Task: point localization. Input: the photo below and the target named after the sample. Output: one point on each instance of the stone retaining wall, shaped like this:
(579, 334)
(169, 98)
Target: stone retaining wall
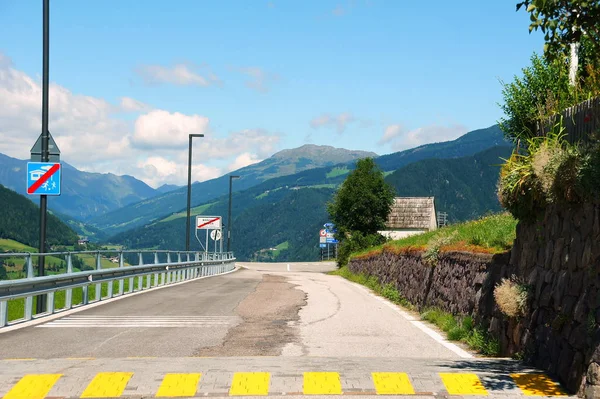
(557, 257)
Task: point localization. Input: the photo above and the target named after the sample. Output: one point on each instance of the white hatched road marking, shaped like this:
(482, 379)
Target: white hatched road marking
(78, 321)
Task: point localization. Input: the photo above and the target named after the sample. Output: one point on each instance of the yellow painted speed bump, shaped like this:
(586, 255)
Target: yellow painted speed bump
(107, 385)
(392, 384)
(33, 386)
(250, 384)
(463, 384)
(322, 383)
(179, 385)
(537, 385)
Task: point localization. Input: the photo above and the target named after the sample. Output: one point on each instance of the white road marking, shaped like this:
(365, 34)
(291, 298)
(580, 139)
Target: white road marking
(288, 267)
(140, 321)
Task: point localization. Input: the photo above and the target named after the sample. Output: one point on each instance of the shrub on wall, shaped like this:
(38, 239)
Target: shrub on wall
(549, 170)
(511, 297)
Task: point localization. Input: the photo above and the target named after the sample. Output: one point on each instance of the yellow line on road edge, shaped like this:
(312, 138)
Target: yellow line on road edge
(392, 384)
(322, 383)
(179, 385)
(250, 384)
(107, 385)
(33, 386)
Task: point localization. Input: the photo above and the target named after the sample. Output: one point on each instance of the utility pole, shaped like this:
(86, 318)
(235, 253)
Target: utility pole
(41, 300)
(229, 214)
(189, 192)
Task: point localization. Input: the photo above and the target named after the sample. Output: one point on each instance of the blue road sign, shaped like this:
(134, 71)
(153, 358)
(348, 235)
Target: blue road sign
(332, 241)
(43, 178)
(323, 245)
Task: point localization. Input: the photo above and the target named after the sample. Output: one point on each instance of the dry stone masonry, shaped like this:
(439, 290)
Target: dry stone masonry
(556, 257)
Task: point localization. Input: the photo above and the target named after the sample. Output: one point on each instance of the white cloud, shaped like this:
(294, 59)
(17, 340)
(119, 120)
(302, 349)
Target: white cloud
(157, 170)
(260, 80)
(163, 129)
(179, 74)
(129, 104)
(243, 160)
(340, 121)
(391, 132)
(93, 135)
(401, 139)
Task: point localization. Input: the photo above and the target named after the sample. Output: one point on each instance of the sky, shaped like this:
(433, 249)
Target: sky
(130, 80)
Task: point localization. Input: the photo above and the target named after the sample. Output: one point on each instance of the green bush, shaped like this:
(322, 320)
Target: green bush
(357, 242)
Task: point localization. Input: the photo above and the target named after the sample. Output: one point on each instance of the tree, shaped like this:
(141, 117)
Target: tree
(364, 200)
(542, 91)
(567, 26)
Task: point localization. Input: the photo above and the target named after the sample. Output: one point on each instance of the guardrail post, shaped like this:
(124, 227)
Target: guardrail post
(121, 281)
(156, 262)
(164, 275)
(98, 286)
(176, 274)
(29, 300)
(3, 313)
(140, 278)
(69, 291)
(197, 267)
(50, 303)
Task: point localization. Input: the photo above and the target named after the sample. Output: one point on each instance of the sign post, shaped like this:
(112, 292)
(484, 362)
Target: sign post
(213, 225)
(327, 239)
(44, 143)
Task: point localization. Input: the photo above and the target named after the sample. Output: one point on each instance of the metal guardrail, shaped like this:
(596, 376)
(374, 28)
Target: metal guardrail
(71, 289)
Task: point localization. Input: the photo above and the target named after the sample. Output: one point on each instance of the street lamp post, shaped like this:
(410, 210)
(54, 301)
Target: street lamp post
(231, 177)
(189, 192)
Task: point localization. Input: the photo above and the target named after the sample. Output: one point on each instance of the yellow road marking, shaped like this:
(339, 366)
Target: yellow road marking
(177, 385)
(463, 384)
(537, 385)
(250, 384)
(33, 386)
(106, 385)
(322, 383)
(392, 384)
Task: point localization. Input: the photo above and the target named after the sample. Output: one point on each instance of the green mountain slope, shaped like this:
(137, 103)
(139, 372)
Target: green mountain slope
(19, 221)
(84, 195)
(281, 164)
(286, 216)
(288, 211)
(465, 187)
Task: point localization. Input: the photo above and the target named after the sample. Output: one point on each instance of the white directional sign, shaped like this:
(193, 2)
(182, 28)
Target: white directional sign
(215, 235)
(208, 222)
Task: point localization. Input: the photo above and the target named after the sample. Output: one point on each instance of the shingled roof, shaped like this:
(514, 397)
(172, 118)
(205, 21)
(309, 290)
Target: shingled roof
(412, 213)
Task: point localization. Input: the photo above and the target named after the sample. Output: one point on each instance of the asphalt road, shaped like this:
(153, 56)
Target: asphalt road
(262, 327)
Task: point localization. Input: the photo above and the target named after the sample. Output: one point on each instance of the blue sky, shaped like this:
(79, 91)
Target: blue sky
(132, 78)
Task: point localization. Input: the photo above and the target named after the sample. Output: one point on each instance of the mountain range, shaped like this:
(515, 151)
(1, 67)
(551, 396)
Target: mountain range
(284, 163)
(278, 204)
(84, 194)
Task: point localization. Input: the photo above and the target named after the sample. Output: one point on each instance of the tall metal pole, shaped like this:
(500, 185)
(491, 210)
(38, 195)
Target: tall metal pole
(229, 217)
(41, 300)
(229, 214)
(189, 192)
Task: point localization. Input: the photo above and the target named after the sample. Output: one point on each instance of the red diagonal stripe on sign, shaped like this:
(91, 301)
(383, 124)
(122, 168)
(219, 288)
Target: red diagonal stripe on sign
(209, 222)
(43, 178)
